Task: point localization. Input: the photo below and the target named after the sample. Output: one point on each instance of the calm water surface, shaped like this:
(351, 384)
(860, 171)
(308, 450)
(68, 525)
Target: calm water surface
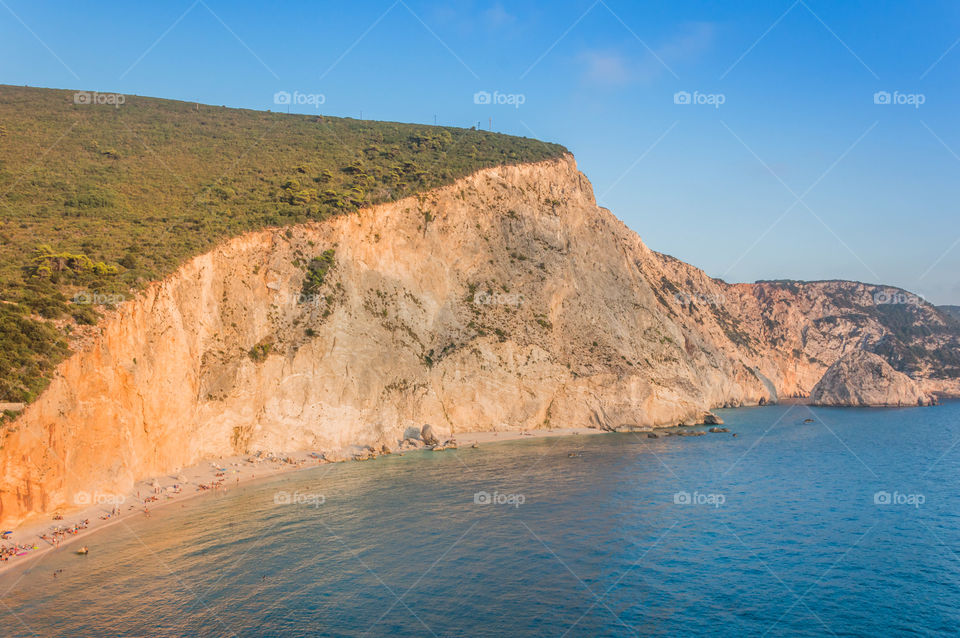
(774, 532)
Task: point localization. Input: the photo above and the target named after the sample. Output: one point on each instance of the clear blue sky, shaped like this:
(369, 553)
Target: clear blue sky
(718, 187)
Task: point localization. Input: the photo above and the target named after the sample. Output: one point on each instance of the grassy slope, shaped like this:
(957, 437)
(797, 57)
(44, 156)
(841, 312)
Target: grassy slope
(140, 188)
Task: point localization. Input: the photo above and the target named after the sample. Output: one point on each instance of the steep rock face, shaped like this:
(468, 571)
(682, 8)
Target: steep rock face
(506, 300)
(862, 378)
(821, 321)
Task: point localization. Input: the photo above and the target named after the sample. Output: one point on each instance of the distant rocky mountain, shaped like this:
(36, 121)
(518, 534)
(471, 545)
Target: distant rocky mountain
(952, 311)
(824, 320)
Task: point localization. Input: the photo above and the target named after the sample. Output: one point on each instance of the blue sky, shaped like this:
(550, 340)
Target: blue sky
(797, 174)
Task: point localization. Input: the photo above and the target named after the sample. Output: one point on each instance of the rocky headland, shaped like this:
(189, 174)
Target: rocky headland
(507, 300)
(862, 378)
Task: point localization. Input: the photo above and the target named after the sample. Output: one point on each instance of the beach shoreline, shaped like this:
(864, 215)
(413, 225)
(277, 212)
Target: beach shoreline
(231, 472)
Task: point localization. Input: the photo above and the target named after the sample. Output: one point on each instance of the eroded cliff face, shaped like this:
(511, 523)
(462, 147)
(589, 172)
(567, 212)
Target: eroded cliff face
(506, 300)
(862, 378)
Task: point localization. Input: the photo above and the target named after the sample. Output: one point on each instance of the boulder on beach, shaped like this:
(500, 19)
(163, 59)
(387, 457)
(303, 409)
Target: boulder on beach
(411, 443)
(428, 436)
(862, 378)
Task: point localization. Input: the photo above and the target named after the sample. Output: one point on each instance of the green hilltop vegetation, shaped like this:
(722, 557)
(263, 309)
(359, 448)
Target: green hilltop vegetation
(97, 200)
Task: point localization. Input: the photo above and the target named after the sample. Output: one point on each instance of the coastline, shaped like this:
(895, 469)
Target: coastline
(239, 471)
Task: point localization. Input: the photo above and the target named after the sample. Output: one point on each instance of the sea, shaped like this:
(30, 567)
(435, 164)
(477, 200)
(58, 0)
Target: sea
(809, 522)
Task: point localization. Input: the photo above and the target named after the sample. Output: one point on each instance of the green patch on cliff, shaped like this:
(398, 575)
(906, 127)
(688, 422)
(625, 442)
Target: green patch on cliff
(260, 351)
(29, 350)
(98, 200)
(317, 270)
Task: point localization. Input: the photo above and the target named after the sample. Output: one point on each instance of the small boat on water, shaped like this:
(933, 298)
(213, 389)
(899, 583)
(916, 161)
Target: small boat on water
(83, 551)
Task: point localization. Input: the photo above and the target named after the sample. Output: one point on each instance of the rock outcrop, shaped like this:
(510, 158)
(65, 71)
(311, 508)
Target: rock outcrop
(427, 435)
(507, 300)
(862, 378)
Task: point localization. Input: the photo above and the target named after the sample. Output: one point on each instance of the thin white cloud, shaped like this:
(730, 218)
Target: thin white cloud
(687, 46)
(614, 67)
(496, 17)
(606, 68)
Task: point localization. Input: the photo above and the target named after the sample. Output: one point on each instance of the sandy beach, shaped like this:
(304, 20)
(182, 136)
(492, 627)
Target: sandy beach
(35, 535)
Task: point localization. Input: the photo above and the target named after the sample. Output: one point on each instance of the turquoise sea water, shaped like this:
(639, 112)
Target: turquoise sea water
(784, 530)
